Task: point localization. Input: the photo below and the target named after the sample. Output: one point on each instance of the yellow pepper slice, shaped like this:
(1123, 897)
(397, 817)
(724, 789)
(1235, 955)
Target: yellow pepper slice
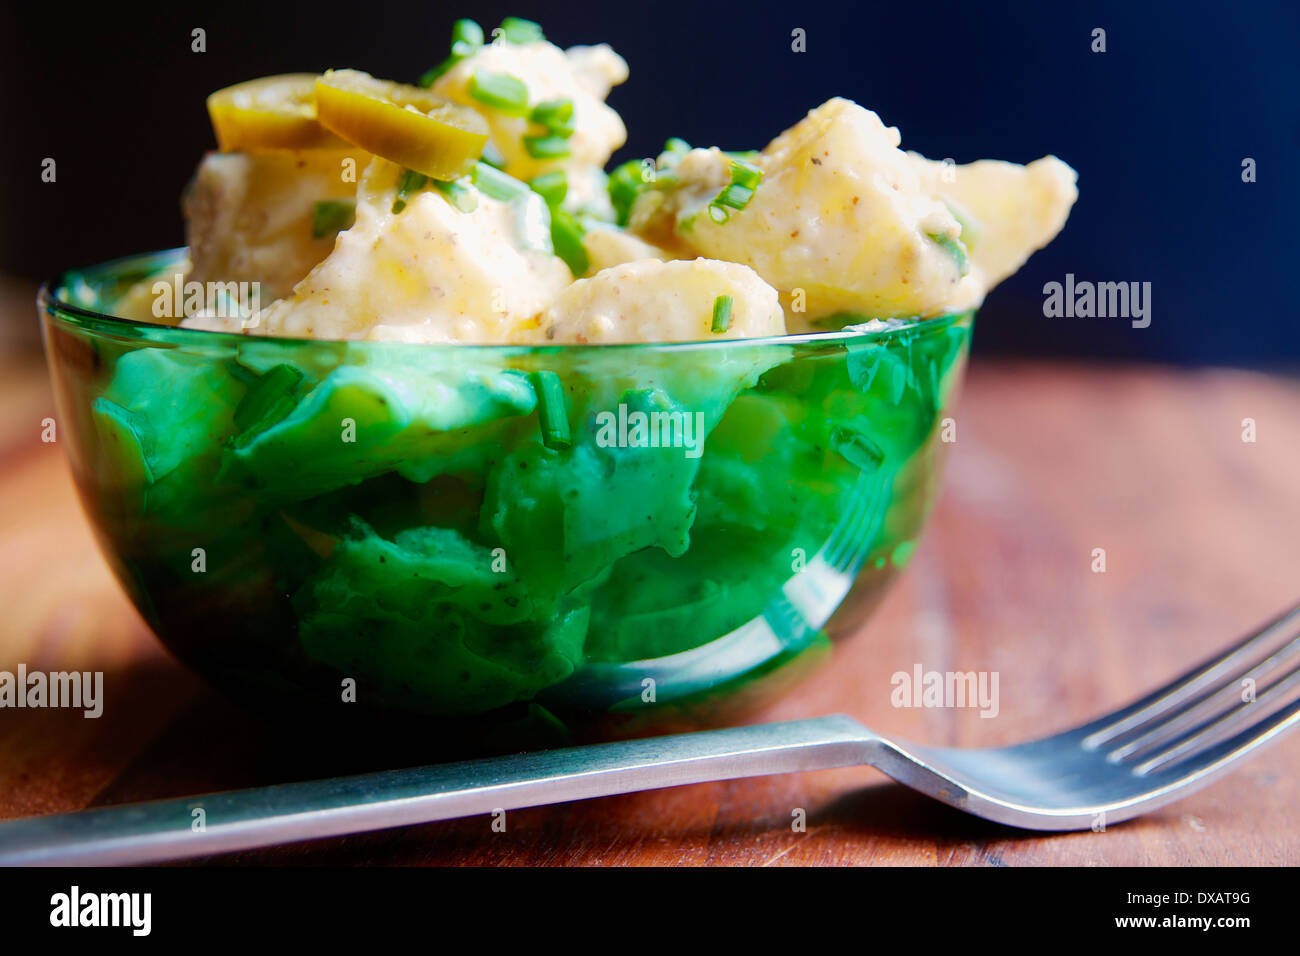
(274, 112)
(409, 125)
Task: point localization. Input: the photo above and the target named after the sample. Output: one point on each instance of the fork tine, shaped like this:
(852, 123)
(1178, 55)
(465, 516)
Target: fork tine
(873, 518)
(1175, 724)
(835, 543)
(1180, 689)
(845, 531)
(1213, 729)
(853, 533)
(1228, 751)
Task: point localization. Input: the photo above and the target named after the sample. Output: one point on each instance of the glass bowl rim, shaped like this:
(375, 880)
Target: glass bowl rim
(52, 304)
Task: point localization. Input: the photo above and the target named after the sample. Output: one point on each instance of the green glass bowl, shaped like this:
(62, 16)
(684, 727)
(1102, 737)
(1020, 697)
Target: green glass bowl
(568, 542)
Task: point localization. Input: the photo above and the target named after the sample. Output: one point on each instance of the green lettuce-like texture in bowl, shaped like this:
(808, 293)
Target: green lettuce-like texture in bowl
(589, 540)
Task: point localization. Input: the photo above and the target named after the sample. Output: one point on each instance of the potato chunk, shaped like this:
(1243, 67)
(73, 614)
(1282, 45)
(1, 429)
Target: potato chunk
(653, 301)
(249, 215)
(610, 246)
(841, 214)
(430, 273)
(1010, 211)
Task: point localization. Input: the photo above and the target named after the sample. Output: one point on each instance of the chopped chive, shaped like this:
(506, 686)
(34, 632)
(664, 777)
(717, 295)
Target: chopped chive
(410, 183)
(547, 147)
(745, 178)
(457, 193)
(954, 247)
(566, 239)
(492, 182)
(677, 145)
(555, 115)
(466, 40)
(721, 313)
(552, 186)
(552, 411)
(735, 196)
(330, 216)
(467, 35)
(519, 30)
(970, 233)
(746, 174)
(625, 184)
(500, 91)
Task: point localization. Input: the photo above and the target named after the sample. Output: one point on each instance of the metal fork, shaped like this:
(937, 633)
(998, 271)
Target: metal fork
(1135, 759)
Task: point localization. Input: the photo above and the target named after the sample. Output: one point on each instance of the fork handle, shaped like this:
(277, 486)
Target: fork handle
(244, 819)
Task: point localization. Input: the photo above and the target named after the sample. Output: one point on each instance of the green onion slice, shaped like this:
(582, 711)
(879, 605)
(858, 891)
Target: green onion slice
(458, 194)
(735, 196)
(625, 184)
(970, 233)
(721, 313)
(552, 186)
(954, 247)
(410, 184)
(552, 410)
(555, 115)
(466, 37)
(492, 182)
(547, 147)
(519, 30)
(466, 40)
(746, 174)
(745, 177)
(566, 239)
(330, 216)
(501, 91)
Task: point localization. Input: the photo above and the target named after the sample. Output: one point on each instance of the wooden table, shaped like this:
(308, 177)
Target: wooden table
(1051, 462)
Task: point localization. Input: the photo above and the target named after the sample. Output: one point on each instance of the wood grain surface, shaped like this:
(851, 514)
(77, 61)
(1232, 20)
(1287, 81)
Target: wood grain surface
(1051, 461)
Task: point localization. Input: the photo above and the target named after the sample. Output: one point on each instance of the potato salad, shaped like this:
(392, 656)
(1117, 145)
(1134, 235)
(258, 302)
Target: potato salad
(475, 207)
(514, 441)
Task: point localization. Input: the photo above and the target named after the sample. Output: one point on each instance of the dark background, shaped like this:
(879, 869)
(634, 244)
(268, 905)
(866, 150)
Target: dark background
(1157, 127)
